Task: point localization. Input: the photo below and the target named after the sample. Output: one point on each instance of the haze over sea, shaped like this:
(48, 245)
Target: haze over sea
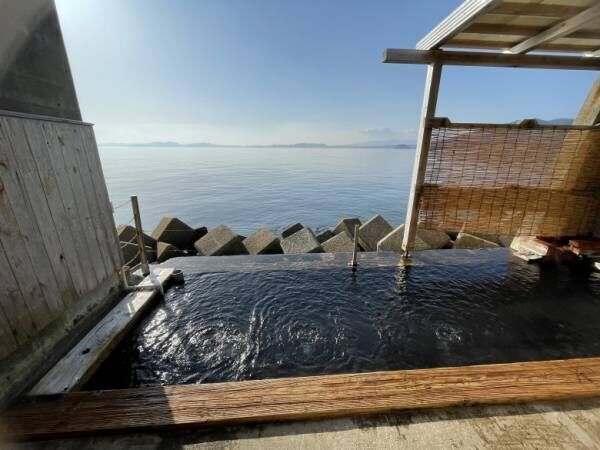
(248, 188)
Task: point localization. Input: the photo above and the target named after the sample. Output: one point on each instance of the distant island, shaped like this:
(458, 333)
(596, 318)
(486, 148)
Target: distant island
(297, 145)
(375, 144)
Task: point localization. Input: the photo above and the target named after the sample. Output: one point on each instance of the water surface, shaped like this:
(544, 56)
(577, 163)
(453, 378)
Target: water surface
(254, 325)
(249, 188)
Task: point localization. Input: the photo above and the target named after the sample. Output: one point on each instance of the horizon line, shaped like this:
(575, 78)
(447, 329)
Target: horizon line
(295, 145)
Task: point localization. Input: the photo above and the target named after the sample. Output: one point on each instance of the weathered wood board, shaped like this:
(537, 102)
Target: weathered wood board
(79, 364)
(313, 397)
(58, 242)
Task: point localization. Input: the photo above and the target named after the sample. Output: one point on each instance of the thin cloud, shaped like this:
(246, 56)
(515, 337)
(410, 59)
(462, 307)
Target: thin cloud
(378, 133)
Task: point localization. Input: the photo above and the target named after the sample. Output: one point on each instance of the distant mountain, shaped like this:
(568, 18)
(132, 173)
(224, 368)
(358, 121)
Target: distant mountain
(560, 121)
(297, 145)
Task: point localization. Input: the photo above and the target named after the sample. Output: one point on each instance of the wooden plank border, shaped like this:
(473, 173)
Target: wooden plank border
(22, 115)
(302, 398)
(77, 366)
(532, 124)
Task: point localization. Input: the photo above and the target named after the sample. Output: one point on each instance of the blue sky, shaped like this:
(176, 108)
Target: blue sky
(273, 71)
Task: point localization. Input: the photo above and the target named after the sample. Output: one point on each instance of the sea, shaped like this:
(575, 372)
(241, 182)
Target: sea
(249, 188)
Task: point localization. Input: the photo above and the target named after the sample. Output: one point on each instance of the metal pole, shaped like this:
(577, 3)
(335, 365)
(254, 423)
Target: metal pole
(139, 232)
(354, 262)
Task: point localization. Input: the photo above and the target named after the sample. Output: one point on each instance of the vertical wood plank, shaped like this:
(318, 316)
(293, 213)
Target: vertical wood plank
(55, 279)
(432, 86)
(83, 211)
(72, 278)
(76, 225)
(22, 244)
(100, 210)
(19, 322)
(101, 191)
(75, 145)
(8, 343)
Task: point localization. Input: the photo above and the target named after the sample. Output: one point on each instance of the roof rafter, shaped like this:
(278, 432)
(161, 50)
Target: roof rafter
(561, 29)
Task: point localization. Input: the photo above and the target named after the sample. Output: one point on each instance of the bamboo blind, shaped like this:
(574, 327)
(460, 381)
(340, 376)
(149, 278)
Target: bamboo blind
(510, 179)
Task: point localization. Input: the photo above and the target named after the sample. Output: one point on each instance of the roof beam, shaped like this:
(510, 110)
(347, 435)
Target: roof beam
(457, 21)
(537, 10)
(589, 114)
(521, 30)
(561, 29)
(489, 59)
(472, 43)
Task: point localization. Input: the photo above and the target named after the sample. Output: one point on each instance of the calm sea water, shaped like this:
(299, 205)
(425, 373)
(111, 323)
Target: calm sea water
(249, 188)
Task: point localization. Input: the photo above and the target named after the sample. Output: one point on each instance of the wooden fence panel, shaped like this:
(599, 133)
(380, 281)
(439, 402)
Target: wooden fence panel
(58, 241)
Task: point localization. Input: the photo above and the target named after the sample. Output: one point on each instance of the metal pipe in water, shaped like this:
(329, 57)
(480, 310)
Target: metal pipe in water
(354, 262)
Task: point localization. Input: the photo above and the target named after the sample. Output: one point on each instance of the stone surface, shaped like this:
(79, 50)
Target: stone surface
(302, 241)
(175, 232)
(131, 256)
(465, 240)
(347, 225)
(127, 233)
(220, 241)
(340, 242)
(504, 240)
(164, 251)
(35, 76)
(291, 229)
(434, 239)
(325, 236)
(372, 232)
(201, 232)
(529, 244)
(392, 241)
(262, 242)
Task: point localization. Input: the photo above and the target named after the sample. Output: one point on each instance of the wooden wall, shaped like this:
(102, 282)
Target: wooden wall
(57, 235)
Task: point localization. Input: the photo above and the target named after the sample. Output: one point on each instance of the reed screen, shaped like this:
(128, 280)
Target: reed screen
(510, 179)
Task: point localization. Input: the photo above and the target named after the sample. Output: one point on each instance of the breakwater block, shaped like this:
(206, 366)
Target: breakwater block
(131, 255)
(127, 233)
(325, 236)
(201, 232)
(164, 251)
(372, 232)
(392, 242)
(220, 241)
(424, 240)
(435, 239)
(504, 240)
(465, 240)
(340, 242)
(175, 232)
(291, 229)
(347, 225)
(302, 241)
(262, 242)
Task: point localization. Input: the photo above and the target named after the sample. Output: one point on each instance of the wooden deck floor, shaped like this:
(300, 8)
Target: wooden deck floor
(155, 408)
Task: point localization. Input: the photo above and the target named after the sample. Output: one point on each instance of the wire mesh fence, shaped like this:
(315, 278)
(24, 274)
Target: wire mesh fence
(511, 179)
(129, 247)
